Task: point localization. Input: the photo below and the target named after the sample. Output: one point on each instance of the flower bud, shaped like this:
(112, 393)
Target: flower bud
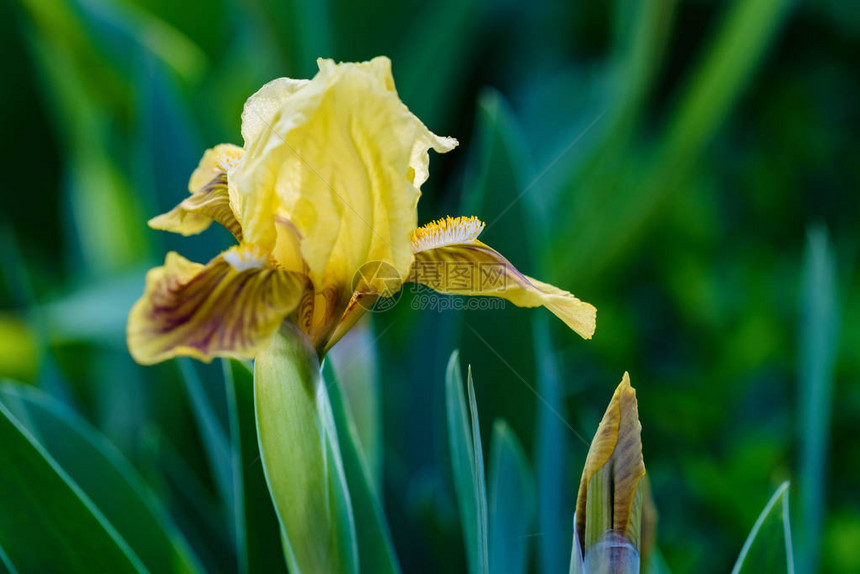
(608, 519)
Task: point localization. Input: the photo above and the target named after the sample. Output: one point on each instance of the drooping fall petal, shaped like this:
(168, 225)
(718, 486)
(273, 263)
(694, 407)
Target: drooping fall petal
(450, 259)
(210, 198)
(609, 496)
(342, 158)
(194, 214)
(228, 308)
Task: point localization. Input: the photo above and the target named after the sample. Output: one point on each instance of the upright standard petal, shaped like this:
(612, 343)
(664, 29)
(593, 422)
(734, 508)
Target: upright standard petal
(342, 158)
(228, 308)
(450, 259)
(262, 108)
(210, 197)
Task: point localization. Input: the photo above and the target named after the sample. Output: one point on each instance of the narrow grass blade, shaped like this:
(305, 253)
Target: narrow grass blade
(462, 458)
(48, 524)
(641, 38)
(213, 430)
(106, 477)
(768, 546)
(258, 532)
(6, 566)
(479, 480)
(198, 512)
(375, 549)
(818, 346)
(301, 29)
(511, 503)
(438, 41)
(728, 63)
(467, 463)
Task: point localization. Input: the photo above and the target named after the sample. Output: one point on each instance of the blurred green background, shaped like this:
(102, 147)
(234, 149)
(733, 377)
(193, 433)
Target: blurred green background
(689, 167)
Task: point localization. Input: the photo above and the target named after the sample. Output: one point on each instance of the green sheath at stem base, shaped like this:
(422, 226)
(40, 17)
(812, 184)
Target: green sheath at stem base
(301, 460)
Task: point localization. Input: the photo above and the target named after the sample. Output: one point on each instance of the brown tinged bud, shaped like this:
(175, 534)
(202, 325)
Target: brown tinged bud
(608, 519)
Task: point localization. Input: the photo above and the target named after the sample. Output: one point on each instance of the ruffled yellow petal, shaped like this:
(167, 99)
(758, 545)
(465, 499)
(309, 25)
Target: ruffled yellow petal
(261, 108)
(194, 214)
(227, 308)
(613, 470)
(211, 199)
(215, 161)
(341, 158)
(450, 259)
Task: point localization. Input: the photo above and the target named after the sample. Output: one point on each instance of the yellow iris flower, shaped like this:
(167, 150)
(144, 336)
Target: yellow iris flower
(325, 188)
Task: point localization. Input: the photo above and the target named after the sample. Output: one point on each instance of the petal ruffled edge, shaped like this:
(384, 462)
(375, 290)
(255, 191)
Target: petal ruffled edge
(215, 161)
(212, 310)
(263, 106)
(291, 128)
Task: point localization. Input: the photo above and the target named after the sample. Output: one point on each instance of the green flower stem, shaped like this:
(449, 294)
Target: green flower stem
(301, 458)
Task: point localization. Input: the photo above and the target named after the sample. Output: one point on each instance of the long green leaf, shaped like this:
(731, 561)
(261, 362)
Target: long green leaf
(555, 502)
(511, 503)
(96, 311)
(643, 29)
(768, 546)
(497, 192)
(258, 532)
(818, 345)
(355, 360)
(616, 217)
(48, 524)
(120, 31)
(376, 551)
(102, 207)
(106, 477)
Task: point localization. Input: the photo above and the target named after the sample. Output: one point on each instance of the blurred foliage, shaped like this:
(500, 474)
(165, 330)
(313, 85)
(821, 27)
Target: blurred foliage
(662, 160)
